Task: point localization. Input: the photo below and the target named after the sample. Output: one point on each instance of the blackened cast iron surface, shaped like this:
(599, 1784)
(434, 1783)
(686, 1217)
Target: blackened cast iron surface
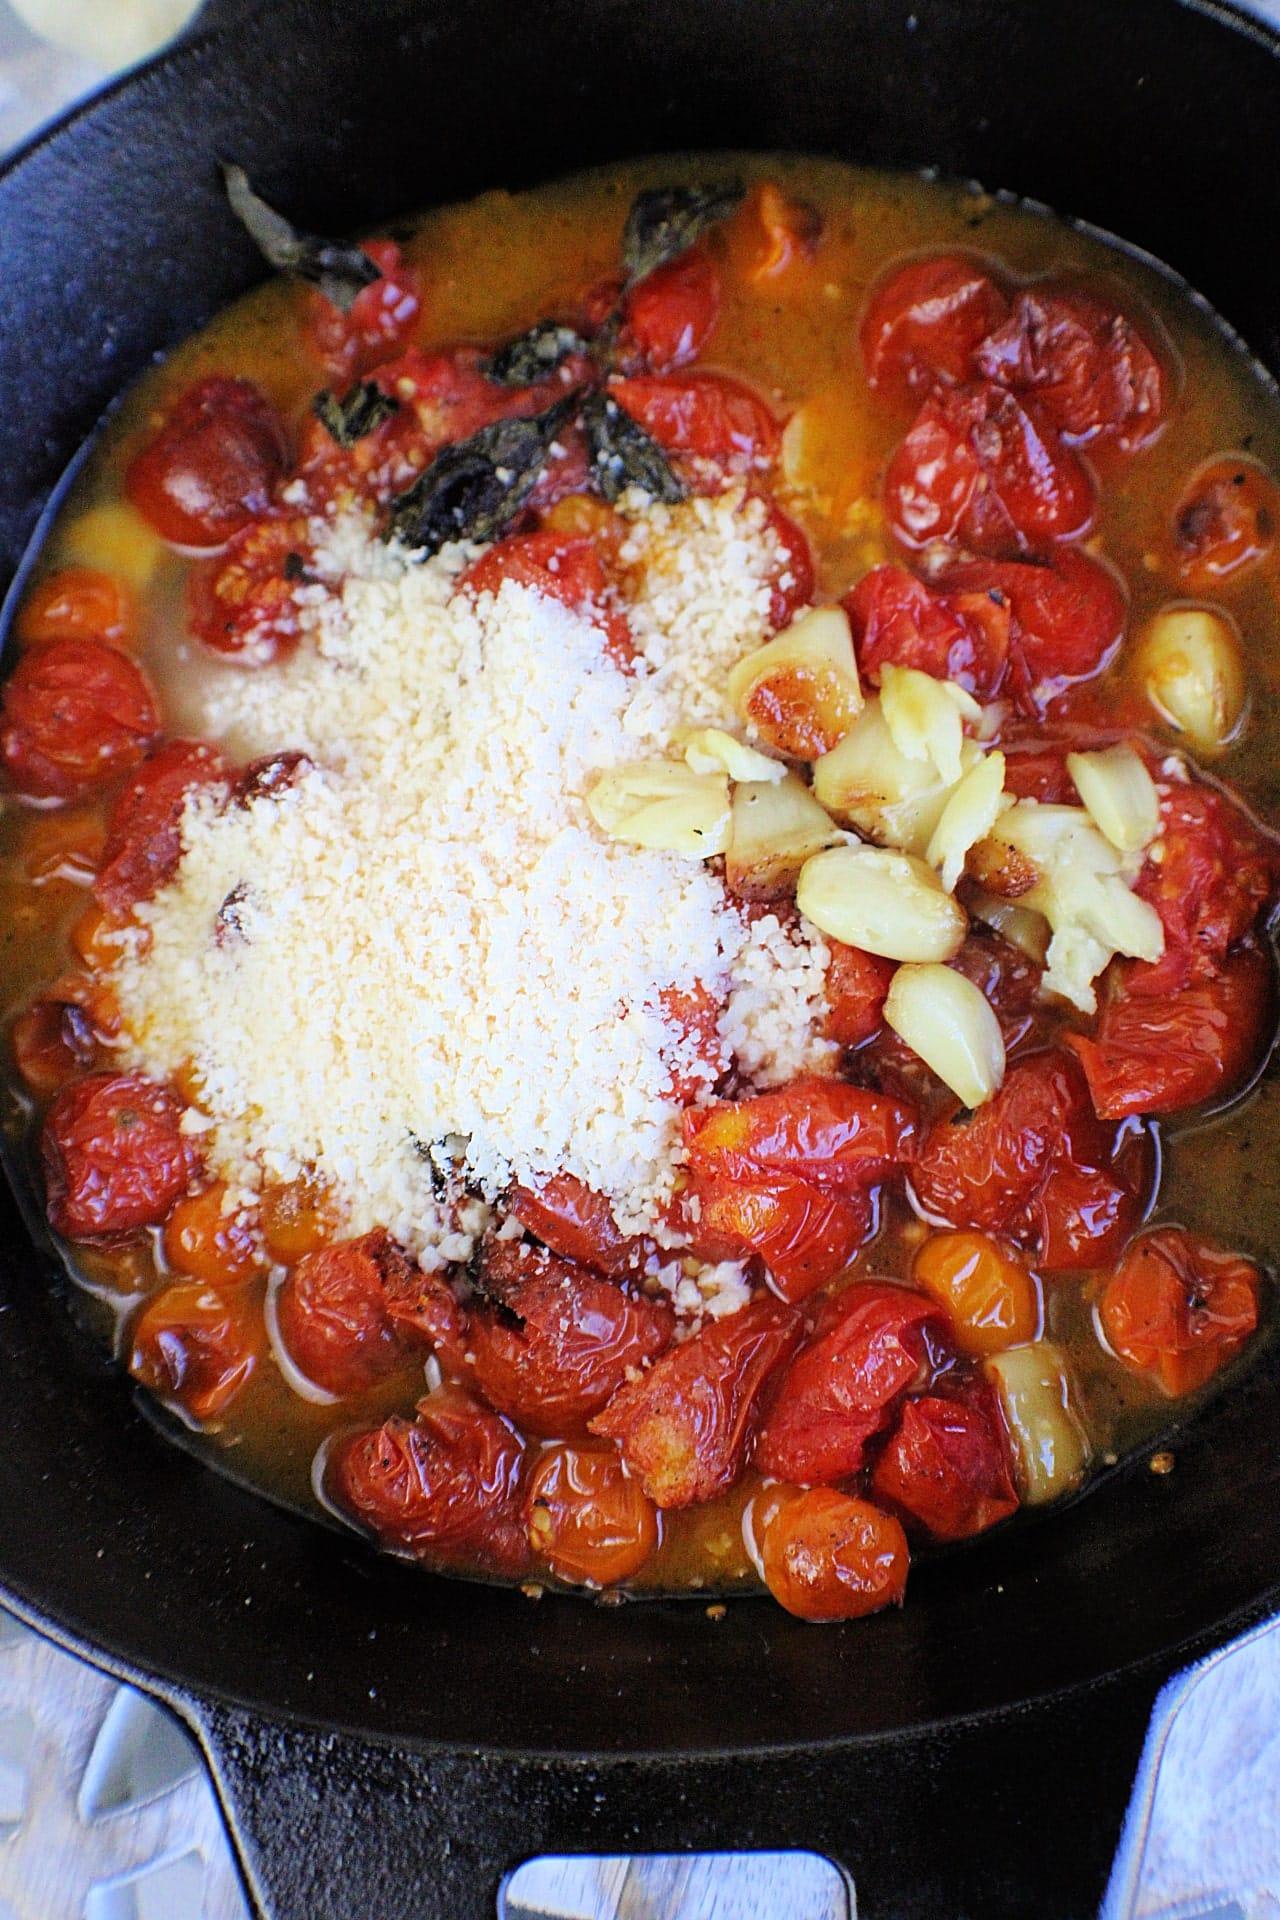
(1157, 120)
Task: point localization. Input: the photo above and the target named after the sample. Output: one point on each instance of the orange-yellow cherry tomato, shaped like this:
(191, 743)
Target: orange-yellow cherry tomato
(990, 1297)
(587, 1519)
(827, 1556)
(203, 1241)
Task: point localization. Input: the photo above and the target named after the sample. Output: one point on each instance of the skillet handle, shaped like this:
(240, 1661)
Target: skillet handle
(994, 1819)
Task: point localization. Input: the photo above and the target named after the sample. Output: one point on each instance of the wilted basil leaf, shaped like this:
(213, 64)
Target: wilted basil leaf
(534, 355)
(623, 455)
(356, 414)
(474, 490)
(338, 268)
(665, 221)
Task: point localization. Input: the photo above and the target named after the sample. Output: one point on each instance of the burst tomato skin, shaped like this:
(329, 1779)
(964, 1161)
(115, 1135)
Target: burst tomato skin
(868, 1348)
(578, 1224)
(379, 321)
(1067, 618)
(79, 603)
(1216, 877)
(210, 1245)
(792, 585)
(551, 1343)
(898, 620)
(212, 465)
(197, 1346)
(857, 986)
(982, 469)
(946, 1466)
(114, 1156)
(144, 843)
(803, 1235)
(825, 1131)
(925, 320)
(1157, 1054)
(1178, 1309)
(685, 1427)
(715, 422)
(668, 316)
(53, 1041)
(1008, 980)
(827, 1556)
(563, 567)
(1090, 370)
(587, 1519)
(333, 1315)
(444, 1486)
(1225, 522)
(244, 603)
(76, 713)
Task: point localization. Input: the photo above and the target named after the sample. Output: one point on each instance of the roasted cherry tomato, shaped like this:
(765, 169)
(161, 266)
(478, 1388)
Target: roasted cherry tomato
(792, 584)
(564, 567)
(718, 424)
(668, 316)
(1008, 980)
(54, 1040)
(984, 470)
(62, 844)
(869, 1347)
(685, 1426)
(946, 1466)
(1089, 369)
(208, 1241)
(898, 620)
(1178, 1309)
(79, 603)
(445, 1486)
(245, 602)
(827, 1556)
(332, 1312)
(115, 1156)
(1067, 618)
(195, 1346)
(990, 1298)
(1158, 1053)
(378, 322)
(587, 1518)
(857, 985)
(551, 1342)
(212, 465)
(295, 1218)
(803, 1234)
(824, 1131)
(925, 320)
(1036, 1164)
(1224, 522)
(696, 1054)
(578, 1224)
(144, 841)
(76, 714)
(1215, 876)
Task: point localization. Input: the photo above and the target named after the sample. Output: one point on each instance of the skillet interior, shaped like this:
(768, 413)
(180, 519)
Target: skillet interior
(1156, 120)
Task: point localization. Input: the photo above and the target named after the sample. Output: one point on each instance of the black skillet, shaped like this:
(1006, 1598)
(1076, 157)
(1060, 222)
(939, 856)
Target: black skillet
(387, 1744)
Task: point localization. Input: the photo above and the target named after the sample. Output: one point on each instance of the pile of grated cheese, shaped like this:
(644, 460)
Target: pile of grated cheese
(428, 939)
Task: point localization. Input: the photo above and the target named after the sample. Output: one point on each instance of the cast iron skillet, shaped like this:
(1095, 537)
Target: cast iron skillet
(386, 1743)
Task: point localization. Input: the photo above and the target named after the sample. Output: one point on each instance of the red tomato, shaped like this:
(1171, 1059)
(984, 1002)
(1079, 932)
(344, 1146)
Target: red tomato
(827, 1556)
(696, 1054)
(857, 985)
(685, 1426)
(551, 1342)
(1036, 1164)
(143, 844)
(1178, 1309)
(578, 1224)
(1155, 1054)
(587, 1519)
(719, 424)
(870, 1346)
(378, 321)
(78, 603)
(823, 1131)
(983, 470)
(1089, 368)
(668, 316)
(803, 1234)
(446, 396)
(212, 466)
(1224, 522)
(245, 602)
(115, 1158)
(54, 1040)
(1217, 874)
(898, 620)
(76, 714)
(195, 1346)
(925, 320)
(1067, 619)
(792, 584)
(560, 566)
(947, 1466)
(333, 1316)
(445, 1486)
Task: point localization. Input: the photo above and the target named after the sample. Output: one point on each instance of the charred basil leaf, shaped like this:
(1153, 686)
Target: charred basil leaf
(356, 414)
(338, 268)
(664, 222)
(474, 490)
(623, 455)
(534, 355)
